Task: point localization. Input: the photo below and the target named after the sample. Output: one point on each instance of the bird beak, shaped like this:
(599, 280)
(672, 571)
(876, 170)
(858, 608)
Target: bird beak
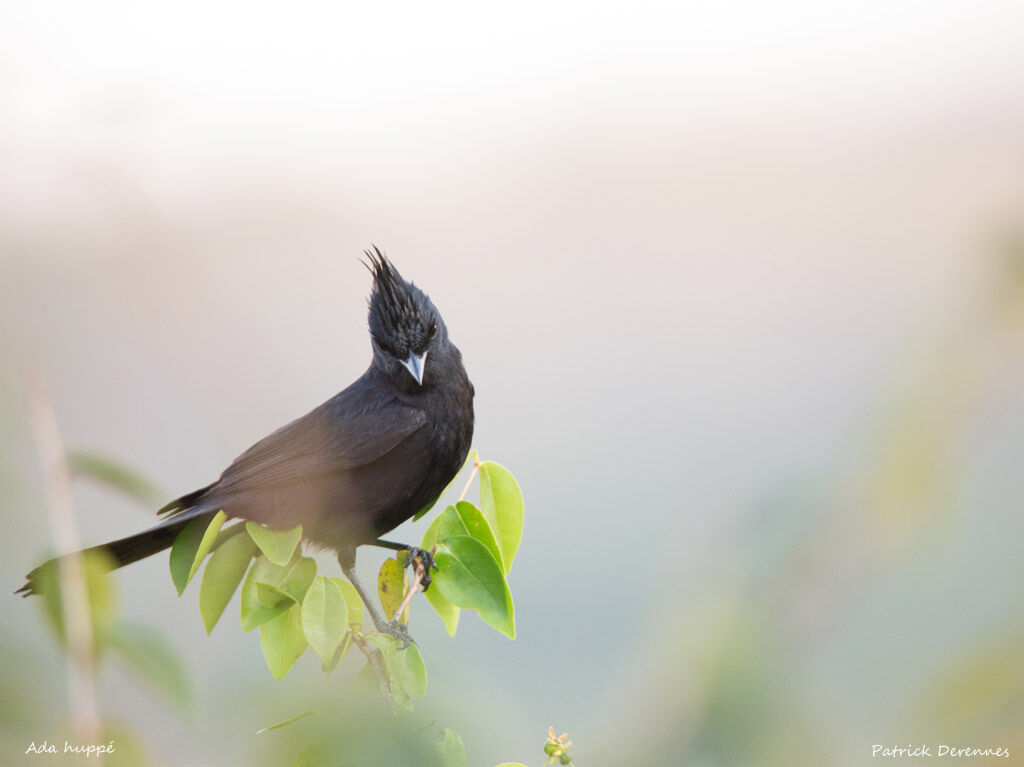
(415, 365)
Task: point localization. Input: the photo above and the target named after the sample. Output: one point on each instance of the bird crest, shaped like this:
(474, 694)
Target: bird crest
(400, 313)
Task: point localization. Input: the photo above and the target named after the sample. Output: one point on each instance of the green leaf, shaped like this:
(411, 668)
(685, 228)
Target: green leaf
(191, 546)
(453, 752)
(366, 680)
(255, 614)
(324, 617)
(430, 534)
(292, 579)
(277, 545)
(154, 660)
(329, 666)
(409, 666)
(406, 670)
(501, 501)
(114, 473)
(448, 612)
(313, 755)
(469, 577)
(391, 586)
(224, 571)
(100, 593)
(466, 519)
(286, 722)
(353, 600)
(226, 533)
(425, 510)
(283, 641)
(272, 596)
(355, 620)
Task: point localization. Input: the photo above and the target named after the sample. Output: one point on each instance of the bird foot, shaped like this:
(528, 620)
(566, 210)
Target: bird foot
(395, 628)
(426, 558)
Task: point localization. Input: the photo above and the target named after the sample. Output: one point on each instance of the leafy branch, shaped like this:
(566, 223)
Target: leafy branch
(296, 608)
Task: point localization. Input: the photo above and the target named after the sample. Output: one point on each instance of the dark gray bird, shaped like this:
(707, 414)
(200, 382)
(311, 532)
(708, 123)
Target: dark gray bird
(361, 463)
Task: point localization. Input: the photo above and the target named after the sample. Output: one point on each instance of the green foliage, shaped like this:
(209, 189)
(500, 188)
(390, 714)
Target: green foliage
(276, 545)
(448, 612)
(295, 608)
(283, 640)
(287, 722)
(191, 547)
(139, 648)
(271, 589)
(324, 617)
(114, 474)
(153, 659)
(224, 572)
(469, 577)
(462, 519)
(355, 604)
(497, 525)
(453, 751)
(99, 592)
(313, 755)
(406, 672)
(501, 501)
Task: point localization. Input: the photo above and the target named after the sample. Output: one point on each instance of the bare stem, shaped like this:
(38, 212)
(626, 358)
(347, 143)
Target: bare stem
(75, 602)
(476, 468)
(421, 572)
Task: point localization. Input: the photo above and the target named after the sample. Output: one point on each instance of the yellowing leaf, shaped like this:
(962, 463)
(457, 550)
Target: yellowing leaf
(391, 586)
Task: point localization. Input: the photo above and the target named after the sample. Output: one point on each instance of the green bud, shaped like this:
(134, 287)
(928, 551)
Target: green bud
(549, 748)
(565, 758)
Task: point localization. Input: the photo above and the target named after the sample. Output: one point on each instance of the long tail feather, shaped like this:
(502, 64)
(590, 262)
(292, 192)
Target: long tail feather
(133, 548)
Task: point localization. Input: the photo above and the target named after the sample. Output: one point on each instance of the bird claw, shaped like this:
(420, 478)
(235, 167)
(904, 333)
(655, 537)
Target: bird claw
(398, 630)
(424, 556)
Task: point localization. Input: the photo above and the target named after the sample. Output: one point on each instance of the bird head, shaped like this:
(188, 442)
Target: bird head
(405, 326)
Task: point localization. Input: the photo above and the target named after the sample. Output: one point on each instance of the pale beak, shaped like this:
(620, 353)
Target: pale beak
(415, 365)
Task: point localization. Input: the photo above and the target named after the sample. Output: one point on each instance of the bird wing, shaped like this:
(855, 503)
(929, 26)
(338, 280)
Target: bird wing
(346, 432)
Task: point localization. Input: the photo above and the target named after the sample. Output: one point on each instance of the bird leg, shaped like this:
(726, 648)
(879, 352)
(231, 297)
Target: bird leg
(415, 552)
(394, 628)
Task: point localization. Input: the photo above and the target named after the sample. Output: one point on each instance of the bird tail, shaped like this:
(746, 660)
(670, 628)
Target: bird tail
(133, 548)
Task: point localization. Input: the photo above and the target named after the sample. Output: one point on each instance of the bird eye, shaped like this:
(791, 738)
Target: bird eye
(433, 330)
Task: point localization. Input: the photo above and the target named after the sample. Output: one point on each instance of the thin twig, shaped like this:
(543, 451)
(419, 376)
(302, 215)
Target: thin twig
(476, 468)
(376, 661)
(75, 596)
(421, 572)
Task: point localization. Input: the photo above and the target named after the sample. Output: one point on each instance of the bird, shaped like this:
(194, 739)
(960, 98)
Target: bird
(356, 466)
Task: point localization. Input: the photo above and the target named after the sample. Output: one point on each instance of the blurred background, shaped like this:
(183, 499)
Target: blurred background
(740, 286)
